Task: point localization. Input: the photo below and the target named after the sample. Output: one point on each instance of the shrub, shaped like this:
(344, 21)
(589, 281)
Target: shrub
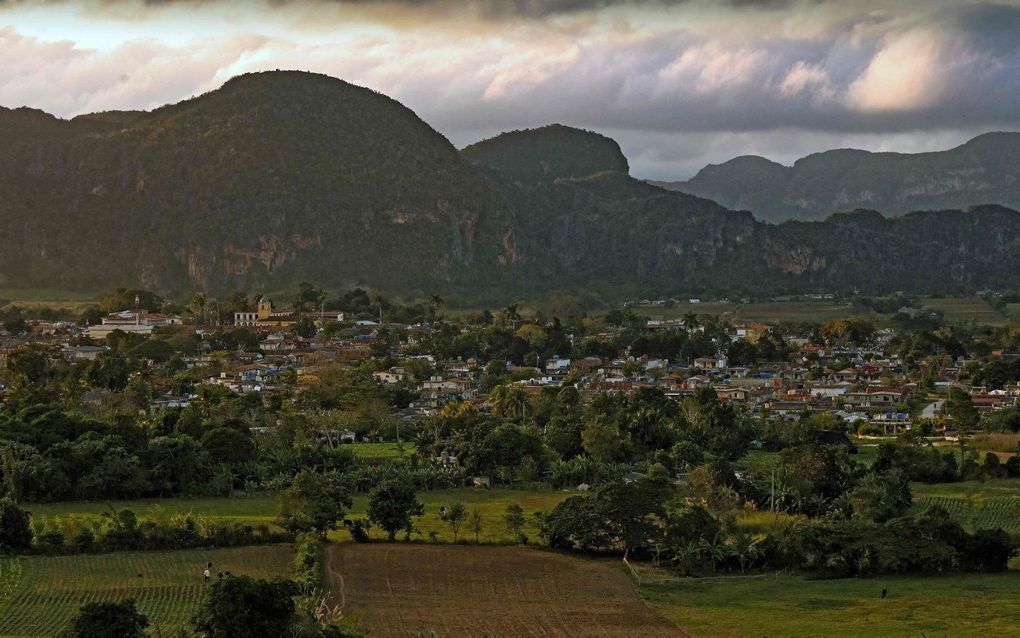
(15, 528)
(308, 562)
(108, 620)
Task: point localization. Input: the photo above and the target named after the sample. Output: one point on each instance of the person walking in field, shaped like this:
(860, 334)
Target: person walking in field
(206, 574)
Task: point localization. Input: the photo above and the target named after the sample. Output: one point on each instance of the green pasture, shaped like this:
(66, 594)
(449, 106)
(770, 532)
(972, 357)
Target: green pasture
(491, 503)
(788, 606)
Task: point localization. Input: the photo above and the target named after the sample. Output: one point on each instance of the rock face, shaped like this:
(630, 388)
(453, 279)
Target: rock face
(985, 170)
(278, 178)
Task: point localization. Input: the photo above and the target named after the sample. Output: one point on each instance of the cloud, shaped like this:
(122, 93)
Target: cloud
(663, 77)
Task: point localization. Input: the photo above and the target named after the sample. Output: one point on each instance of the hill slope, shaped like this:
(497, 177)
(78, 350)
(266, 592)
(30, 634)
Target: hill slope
(283, 177)
(985, 170)
(273, 176)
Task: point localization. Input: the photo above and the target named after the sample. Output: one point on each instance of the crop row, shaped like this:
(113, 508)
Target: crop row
(46, 592)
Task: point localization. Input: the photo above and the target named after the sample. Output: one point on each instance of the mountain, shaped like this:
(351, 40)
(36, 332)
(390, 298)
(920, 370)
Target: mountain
(985, 170)
(282, 177)
(274, 176)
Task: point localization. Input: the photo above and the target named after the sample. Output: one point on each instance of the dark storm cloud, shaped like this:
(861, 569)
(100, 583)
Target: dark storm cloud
(677, 82)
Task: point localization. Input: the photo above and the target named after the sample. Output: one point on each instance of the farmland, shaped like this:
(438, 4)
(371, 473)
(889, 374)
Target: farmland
(961, 605)
(39, 595)
(490, 502)
(974, 504)
(459, 590)
(774, 311)
(955, 309)
(966, 309)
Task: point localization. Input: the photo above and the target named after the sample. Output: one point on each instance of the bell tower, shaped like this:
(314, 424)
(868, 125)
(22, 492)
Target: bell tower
(265, 308)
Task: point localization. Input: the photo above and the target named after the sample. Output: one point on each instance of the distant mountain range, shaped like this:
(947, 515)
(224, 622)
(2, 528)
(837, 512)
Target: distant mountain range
(985, 170)
(282, 177)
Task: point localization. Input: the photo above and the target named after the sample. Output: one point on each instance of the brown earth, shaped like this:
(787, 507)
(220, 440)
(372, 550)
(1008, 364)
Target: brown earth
(459, 590)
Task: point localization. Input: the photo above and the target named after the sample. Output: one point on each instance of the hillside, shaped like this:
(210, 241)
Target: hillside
(985, 170)
(282, 177)
(274, 176)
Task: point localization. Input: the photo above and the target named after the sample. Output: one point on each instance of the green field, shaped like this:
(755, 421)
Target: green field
(956, 309)
(974, 504)
(379, 451)
(492, 504)
(39, 595)
(957, 606)
(819, 311)
(964, 309)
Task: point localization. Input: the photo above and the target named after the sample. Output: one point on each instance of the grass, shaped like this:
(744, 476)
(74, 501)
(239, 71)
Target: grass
(379, 451)
(262, 509)
(491, 503)
(791, 606)
(1002, 442)
(956, 309)
(771, 311)
(964, 309)
(40, 595)
(256, 509)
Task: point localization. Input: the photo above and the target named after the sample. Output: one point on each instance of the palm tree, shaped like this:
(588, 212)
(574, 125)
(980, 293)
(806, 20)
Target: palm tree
(510, 401)
(434, 302)
(511, 315)
(690, 321)
(197, 304)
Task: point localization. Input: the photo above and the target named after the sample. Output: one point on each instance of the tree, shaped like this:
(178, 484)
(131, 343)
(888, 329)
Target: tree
(15, 528)
(312, 503)
(604, 441)
(454, 516)
(882, 496)
(108, 620)
(392, 505)
(514, 519)
(510, 401)
(435, 301)
(228, 445)
(109, 370)
(242, 606)
(475, 522)
(197, 306)
(961, 410)
(305, 327)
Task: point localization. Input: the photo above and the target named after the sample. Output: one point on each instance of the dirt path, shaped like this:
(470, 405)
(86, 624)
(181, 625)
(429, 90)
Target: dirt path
(462, 590)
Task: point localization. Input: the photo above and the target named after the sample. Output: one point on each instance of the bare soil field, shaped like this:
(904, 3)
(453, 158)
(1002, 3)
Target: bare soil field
(462, 590)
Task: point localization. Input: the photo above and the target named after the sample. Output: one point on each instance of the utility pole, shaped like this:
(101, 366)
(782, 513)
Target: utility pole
(772, 498)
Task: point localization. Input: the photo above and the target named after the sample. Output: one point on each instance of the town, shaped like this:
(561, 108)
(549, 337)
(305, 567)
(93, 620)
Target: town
(874, 381)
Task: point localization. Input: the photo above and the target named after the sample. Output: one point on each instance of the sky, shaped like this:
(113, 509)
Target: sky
(678, 83)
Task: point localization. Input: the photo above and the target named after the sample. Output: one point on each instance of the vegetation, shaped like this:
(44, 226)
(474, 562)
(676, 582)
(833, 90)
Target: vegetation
(41, 595)
(792, 605)
(361, 153)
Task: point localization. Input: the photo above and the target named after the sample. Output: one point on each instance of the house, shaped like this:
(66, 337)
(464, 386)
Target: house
(557, 366)
(85, 353)
(730, 393)
(391, 376)
(717, 362)
(140, 322)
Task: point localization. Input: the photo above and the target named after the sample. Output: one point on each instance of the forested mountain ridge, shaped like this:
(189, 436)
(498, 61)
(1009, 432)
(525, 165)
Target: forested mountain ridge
(274, 176)
(282, 177)
(985, 170)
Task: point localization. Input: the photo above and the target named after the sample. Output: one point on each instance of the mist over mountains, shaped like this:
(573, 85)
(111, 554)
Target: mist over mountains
(282, 177)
